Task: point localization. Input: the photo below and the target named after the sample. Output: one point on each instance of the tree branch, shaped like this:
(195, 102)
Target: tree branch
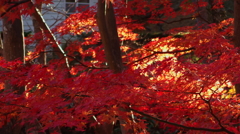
(168, 52)
(179, 125)
(208, 102)
(37, 15)
(7, 103)
(78, 61)
(166, 22)
(15, 4)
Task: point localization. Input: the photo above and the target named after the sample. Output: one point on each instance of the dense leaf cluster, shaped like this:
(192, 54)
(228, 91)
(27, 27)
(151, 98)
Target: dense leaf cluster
(177, 81)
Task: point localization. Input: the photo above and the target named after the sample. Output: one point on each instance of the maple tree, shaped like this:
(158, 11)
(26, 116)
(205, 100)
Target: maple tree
(179, 81)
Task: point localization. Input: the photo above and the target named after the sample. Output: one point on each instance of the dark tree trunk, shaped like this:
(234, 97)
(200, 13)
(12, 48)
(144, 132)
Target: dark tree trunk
(237, 32)
(13, 45)
(13, 49)
(108, 31)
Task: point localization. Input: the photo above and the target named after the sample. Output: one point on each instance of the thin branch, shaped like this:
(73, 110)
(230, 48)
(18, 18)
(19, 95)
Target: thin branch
(208, 102)
(7, 103)
(37, 15)
(89, 67)
(92, 67)
(179, 20)
(166, 22)
(179, 125)
(168, 52)
(15, 4)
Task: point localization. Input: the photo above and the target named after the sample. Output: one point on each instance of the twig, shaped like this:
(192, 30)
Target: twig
(208, 102)
(168, 52)
(179, 125)
(166, 22)
(7, 103)
(15, 4)
(90, 67)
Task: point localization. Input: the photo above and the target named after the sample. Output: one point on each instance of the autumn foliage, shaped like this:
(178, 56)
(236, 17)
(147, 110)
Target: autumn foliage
(180, 81)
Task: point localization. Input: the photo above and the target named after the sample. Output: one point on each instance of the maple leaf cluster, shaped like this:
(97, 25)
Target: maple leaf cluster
(184, 81)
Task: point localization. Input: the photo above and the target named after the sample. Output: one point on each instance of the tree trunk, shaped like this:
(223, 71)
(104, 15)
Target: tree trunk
(108, 31)
(237, 32)
(37, 29)
(13, 45)
(13, 49)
